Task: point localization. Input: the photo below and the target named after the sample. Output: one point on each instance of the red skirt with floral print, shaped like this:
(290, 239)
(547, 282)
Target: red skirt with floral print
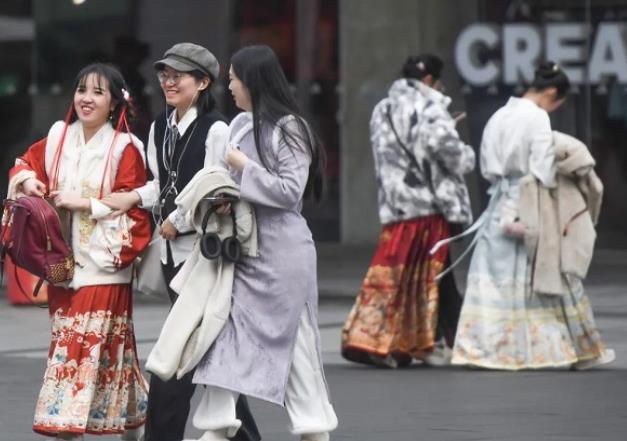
(396, 311)
(92, 382)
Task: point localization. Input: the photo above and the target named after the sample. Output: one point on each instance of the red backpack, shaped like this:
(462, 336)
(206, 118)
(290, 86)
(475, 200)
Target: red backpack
(33, 238)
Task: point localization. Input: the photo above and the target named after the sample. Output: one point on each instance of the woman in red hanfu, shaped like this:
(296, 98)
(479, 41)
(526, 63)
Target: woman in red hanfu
(92, 383)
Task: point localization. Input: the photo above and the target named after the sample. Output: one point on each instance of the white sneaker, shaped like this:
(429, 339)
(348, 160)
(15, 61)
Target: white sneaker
(608, 356)
(321, 436)
(440, 356)
(212, 435)
(136, 434)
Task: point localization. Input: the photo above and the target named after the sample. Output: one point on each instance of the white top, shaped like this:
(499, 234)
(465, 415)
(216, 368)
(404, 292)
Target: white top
(215, 147)
(517, 140)
(97, 240)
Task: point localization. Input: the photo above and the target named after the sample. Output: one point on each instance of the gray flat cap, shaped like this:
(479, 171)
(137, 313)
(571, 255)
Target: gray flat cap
(186, 57)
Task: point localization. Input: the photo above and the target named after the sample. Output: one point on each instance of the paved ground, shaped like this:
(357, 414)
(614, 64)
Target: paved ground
(373, 404)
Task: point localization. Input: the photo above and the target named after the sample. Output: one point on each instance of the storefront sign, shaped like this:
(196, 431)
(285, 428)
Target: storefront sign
(522, 45)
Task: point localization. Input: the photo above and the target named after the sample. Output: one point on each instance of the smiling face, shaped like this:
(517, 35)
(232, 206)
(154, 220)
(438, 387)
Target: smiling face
(181, 89)
(240, 92)
(92, 100)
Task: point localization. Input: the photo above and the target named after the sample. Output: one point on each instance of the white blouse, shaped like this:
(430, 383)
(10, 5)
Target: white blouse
(517, 140)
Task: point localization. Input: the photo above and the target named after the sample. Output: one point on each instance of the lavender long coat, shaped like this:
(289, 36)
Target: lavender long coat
(253, 354)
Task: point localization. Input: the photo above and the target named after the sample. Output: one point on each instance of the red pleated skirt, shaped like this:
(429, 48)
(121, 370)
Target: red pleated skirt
(396, 310)
(92, 383)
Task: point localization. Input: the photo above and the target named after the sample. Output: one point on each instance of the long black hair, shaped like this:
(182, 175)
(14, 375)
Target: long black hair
(419, 66)
(550, 74)
(108, 73)
(259, 69)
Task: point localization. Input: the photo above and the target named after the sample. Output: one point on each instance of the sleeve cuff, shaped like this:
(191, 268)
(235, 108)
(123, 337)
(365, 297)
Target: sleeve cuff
(179, 222)
(147, 195)
(17, 181)
(98, 209)
(249, 172)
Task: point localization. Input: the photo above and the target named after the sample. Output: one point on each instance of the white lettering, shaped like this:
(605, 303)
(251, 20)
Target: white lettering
(521, 50)
(523, 46)
(560, 48)
(470, 42)
(608, 54)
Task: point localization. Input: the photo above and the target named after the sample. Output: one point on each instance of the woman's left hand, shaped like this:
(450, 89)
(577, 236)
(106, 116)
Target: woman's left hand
(70, 200)
(236, 159)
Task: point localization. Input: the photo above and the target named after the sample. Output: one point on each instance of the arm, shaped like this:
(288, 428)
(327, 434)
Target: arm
(116, 242)
(542, 150)
(387, 180)
(215, 145)
(146, 195)
(284, 187)
(29, 166)
(443, 143)
(149, 192)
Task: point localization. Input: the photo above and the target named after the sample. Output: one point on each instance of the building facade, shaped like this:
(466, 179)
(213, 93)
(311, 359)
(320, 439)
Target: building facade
(341, 56)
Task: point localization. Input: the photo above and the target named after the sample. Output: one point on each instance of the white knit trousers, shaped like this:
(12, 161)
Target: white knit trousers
(306, 398)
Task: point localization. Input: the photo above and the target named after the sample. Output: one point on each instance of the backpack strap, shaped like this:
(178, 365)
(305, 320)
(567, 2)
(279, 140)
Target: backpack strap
(426, 167)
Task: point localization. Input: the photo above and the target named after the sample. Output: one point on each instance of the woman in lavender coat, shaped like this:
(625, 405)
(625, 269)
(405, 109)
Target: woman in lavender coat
(270, 347)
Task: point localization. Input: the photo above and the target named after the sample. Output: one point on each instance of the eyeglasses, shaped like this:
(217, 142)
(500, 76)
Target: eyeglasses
(174, 79)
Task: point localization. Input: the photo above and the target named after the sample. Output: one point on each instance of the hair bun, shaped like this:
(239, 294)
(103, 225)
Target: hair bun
(548, 70)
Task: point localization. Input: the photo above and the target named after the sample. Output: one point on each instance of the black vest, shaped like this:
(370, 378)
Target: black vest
(186, 161)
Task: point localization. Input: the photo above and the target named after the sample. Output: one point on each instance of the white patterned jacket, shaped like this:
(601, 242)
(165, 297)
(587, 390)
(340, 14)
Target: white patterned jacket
(429, 179)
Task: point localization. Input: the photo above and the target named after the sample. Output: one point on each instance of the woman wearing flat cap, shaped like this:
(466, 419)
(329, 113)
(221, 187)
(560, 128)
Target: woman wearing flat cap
(185, 137)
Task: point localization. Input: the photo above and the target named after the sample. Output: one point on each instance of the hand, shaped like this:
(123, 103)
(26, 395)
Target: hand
(224, 208)
(167, 230)
(236, 158)
(121, 202)
(33, 187)
(515, 229)
(70, 200)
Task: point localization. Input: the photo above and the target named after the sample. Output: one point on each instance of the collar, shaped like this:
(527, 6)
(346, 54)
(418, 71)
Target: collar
(96, 140)
(431, 93)
(405, 87)
(522, 101)
(187, 119)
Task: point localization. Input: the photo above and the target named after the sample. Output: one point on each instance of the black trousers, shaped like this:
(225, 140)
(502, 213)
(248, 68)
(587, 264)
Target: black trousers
(449, 307)
(169, 401)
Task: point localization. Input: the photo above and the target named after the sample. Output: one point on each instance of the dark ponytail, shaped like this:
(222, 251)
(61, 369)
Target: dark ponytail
(550, 74)
(419, 66)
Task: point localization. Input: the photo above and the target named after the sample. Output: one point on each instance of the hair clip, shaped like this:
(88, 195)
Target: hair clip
(421, 65)
(126, 95)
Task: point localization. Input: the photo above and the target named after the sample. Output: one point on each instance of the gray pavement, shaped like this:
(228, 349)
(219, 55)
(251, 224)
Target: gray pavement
(373, 404)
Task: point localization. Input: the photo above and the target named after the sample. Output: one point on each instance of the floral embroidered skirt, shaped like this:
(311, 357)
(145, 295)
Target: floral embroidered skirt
(92, 383)
(503, 325)
(396, 311)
